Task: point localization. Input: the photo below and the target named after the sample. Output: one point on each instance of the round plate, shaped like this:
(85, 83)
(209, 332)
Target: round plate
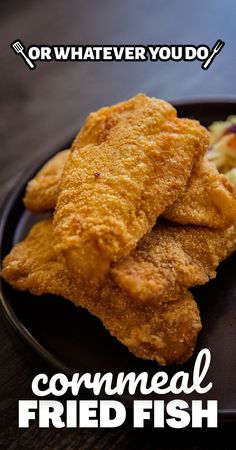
(72, 340)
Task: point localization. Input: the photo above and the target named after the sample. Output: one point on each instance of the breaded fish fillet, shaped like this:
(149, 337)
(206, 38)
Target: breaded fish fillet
(208, 199)
(166, 333)
(172, 258)
(113, 188)
(42, 191)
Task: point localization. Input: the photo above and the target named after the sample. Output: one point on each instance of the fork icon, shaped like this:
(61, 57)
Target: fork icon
(216, 49)
(18, 48)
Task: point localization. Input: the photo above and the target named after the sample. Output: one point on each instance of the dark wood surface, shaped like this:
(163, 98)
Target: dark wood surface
(40, 109)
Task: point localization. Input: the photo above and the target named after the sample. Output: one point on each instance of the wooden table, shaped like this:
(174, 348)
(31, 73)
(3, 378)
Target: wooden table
(40, 109)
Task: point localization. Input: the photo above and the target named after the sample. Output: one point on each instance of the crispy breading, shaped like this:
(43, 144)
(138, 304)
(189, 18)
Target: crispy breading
(42, 191)
(116, 184)
(166, 333)
(209, 200)
(172, 258)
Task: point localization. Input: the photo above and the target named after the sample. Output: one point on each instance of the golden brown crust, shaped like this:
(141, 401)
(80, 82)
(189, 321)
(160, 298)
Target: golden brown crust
(117, 181)
(42, 191)
(208, 200)
(172, 258)
(166, 333)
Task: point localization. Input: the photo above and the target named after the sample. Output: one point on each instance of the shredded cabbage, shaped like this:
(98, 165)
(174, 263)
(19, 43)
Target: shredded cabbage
(222, 150)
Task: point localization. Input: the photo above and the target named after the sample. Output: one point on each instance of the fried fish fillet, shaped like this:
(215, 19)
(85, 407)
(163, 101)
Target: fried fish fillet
(166, 333)
(115, 184)
(42, 191)
(172, 258)
(208, 199)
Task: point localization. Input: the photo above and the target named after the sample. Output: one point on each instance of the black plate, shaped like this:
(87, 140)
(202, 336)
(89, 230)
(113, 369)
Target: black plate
(72, 340)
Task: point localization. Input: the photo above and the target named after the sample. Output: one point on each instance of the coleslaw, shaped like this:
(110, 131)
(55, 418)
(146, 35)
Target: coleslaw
(222, 150)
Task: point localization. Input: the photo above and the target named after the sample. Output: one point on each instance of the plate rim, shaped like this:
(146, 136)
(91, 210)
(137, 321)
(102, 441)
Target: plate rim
(7, 311)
